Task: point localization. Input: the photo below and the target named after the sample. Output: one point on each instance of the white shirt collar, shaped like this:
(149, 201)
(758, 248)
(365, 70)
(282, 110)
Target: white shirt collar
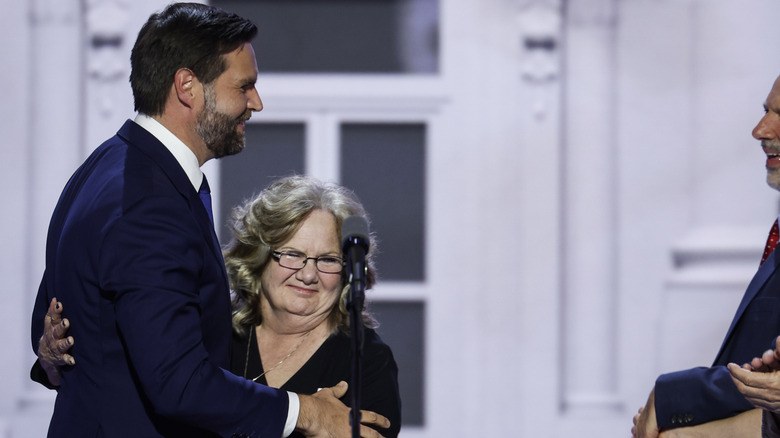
(184, 155)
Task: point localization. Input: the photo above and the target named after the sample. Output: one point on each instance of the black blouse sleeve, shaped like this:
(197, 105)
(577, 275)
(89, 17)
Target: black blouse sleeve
(380, 382)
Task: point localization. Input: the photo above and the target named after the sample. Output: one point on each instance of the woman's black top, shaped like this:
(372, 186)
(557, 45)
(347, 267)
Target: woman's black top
(329, 365)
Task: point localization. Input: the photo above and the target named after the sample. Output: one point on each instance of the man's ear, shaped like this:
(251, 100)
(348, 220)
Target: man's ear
(186, 86)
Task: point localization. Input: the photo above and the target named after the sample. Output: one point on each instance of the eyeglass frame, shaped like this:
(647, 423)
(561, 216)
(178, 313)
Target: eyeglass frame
(278, 256)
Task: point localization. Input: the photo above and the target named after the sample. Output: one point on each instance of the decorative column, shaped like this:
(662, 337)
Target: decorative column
(538, 44)
(55, 127)
(589, 256)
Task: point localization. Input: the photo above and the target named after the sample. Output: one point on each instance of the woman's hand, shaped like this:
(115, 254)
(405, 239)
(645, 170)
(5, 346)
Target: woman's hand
(54, 346)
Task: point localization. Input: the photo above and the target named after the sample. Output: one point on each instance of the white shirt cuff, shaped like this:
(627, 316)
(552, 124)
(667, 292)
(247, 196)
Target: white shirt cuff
(293, 410)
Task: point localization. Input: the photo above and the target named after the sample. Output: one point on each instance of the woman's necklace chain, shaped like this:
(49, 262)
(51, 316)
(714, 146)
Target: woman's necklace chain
(249, 345)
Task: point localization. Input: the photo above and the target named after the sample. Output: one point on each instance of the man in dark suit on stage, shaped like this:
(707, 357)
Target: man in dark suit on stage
(706, 396)
(132, 249)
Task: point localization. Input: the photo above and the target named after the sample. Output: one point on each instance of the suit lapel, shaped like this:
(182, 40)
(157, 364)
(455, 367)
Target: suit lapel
(149, 145)
(762, 275)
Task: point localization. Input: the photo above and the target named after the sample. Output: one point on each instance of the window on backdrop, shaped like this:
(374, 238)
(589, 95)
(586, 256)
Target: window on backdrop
(343, 36)
(272, 151)
(384, 164)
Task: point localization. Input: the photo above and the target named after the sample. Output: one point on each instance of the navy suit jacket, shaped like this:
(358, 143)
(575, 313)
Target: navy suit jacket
(700, 395)
(133, 254)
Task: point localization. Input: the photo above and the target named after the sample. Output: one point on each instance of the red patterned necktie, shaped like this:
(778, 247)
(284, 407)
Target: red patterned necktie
(771, 242)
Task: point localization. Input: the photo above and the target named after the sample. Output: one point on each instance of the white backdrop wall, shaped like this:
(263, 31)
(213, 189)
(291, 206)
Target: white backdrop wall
(600, 148)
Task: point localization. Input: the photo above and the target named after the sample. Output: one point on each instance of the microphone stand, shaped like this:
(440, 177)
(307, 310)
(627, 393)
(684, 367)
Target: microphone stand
(355, 301)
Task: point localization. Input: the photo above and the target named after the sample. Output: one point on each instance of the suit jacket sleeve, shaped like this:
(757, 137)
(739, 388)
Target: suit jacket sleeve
(152, 261)
(696, 396)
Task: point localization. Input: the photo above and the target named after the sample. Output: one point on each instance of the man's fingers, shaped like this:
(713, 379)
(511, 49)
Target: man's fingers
(768, 356)
(751, 379)
(777, 355)
(738, 374)
(367, 432)
(339, 390)
(756, 387)
(772, 361)
(370, 417)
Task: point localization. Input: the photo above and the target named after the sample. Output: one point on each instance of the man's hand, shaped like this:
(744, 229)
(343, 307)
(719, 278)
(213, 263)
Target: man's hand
(769, 361)
(53, 346)
(323, 415)
(762, 389)
(645, 424)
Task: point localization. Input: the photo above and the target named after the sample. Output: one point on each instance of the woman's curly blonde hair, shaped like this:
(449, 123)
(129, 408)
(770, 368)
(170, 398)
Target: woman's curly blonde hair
(269, 220)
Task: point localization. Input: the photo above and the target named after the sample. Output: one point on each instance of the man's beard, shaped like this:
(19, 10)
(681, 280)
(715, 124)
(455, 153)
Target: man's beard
(772, 174)
(773, 178)
(218, 130)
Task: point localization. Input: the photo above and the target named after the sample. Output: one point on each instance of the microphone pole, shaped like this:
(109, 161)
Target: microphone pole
(355, 243)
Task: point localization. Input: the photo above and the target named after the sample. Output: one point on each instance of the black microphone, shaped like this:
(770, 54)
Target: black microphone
(355, 244)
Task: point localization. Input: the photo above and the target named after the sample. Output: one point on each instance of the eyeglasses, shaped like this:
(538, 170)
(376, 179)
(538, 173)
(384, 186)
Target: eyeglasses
(296, 260)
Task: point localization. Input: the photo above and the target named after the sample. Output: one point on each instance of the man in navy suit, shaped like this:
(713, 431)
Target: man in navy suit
(131, 248)
(759, 381)
(702, 395)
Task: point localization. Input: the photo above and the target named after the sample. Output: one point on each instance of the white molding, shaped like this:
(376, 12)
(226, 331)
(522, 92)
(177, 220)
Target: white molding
(396, 291)
(322, 147)
(716, 256)
(287, 108)
(595, 401)
(376, 98)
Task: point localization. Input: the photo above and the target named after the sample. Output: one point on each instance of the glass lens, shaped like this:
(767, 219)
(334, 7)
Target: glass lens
(291, 260)
(330, 265)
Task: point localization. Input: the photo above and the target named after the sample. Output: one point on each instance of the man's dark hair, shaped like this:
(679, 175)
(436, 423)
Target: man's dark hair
(183, 35)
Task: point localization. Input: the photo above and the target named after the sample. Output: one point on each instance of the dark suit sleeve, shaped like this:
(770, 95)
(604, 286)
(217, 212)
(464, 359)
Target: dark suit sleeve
(696, 396)
(37, 374)
(152, 261)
